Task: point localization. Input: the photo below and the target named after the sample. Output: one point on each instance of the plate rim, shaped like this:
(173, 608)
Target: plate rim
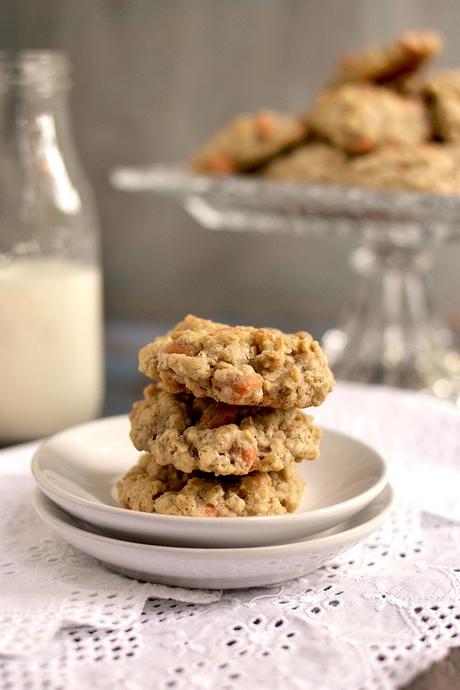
(47, 486)
(128, 178)
(274, 549)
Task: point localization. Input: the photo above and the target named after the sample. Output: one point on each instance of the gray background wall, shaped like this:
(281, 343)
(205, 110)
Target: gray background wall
(152, 79)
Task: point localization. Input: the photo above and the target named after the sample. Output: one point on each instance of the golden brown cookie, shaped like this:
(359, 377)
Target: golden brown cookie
(202, 434)
(390, 63)
(249, 141)
(153, 488)
(431, 168)
(239, 365)
(359, 117)
(443, 92)
(315, 163)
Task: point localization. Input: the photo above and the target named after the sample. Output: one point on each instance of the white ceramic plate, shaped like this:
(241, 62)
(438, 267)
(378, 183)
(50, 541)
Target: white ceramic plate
(78, 470)
(215, 568)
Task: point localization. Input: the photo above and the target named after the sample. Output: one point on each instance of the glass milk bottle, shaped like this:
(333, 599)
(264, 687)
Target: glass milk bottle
(51, 360)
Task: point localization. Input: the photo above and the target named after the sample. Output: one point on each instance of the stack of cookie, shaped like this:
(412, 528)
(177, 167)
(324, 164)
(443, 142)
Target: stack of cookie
(221, 429)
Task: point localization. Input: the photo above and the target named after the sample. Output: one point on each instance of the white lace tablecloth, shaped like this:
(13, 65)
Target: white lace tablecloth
(371, 620)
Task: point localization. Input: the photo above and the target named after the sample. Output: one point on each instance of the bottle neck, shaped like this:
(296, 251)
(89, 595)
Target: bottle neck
(34, 119)
(46, 202)
(34, 72)
(36, 137)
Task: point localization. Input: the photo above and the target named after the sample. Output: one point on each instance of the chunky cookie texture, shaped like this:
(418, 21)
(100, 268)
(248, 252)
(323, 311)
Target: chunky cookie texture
(431, 168)
(249, 141)
(390, 63)
(379, 101)
(153, 488)
(443, 92)
(358, 118)
(239, 365)
(201, 434)
(315, 162)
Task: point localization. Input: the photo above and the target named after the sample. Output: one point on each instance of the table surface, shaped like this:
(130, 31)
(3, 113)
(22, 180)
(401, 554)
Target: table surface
(445, 675)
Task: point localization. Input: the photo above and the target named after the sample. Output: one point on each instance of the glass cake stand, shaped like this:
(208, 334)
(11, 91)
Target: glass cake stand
(391, 333)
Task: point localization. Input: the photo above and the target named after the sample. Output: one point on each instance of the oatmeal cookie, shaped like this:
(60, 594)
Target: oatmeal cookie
(431, 168)
(315, 163)
(249, 141)
(239, 365)
(443, 92)
(201, 434)
(153, 488)
(361, 117)
(390, 63)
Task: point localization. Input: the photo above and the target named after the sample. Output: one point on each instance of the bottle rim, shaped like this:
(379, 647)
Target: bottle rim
(43, 70)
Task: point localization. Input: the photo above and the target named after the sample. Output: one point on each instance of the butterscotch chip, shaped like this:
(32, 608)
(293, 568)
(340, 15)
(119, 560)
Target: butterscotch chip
(314, 163)
(390, 63)
(201, 434)
(358, 118)
(247, 142)
(239, 365)
(431, 168)
(443, 90)
(153, 488)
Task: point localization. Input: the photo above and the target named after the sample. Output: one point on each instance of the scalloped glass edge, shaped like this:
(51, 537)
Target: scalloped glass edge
(251, 193)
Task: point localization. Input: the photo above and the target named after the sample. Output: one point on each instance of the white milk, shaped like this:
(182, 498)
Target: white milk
(50, 346)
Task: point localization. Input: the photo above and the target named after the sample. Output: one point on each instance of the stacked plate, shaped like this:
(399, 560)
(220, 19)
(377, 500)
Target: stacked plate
(345, 499)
